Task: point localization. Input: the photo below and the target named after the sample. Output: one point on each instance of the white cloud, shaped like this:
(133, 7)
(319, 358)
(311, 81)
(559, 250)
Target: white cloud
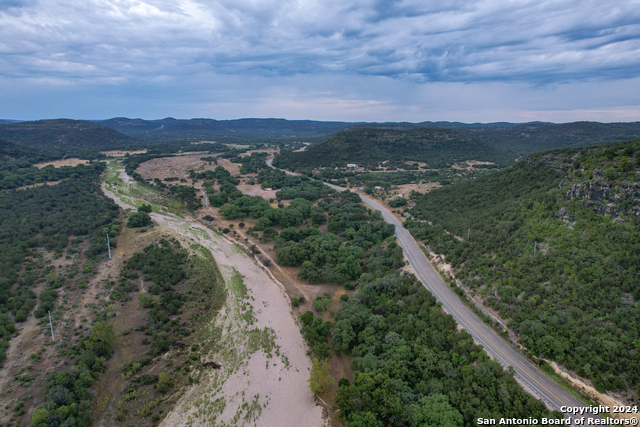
(159, 48)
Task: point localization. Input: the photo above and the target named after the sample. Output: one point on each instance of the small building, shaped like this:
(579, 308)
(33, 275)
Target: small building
(352, 165)
(377, 187)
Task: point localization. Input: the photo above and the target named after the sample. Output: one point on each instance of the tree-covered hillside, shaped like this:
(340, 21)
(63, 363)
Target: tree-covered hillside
(17, 167)
(240, 131)
(370, 147)
(65, 137)
(535, 137)
(442, 143)
(10, 151)
(554, 247)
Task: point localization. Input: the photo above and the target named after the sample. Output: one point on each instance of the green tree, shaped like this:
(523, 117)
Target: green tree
(320, 378)
(139, 219)
(435, 411)
(145, 208)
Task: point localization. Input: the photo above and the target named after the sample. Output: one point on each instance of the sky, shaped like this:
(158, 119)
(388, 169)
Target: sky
(346, 60)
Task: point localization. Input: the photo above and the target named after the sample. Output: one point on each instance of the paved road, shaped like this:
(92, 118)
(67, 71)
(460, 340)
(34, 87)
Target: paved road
(552, 393)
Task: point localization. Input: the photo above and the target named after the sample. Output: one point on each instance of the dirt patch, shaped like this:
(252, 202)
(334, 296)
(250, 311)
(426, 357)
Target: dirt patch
(469, 165)
(584, 386)
(119, 153)
(179, 166)
(63, 162)
(405, 190)
(256, 190)
(24, 187)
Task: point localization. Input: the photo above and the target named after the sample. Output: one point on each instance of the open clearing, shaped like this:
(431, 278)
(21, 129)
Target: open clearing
(179, 166)
(63, 162)
(122, 153)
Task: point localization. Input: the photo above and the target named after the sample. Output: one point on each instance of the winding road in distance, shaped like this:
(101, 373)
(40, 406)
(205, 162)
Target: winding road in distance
(547, 389)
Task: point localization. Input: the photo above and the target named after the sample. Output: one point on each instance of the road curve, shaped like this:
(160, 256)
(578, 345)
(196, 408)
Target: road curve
(547, 389)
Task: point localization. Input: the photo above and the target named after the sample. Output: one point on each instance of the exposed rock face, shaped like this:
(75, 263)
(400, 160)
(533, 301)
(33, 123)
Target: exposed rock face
(604, 197)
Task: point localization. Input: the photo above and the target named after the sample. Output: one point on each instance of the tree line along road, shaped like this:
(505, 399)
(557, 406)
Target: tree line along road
(548, 390)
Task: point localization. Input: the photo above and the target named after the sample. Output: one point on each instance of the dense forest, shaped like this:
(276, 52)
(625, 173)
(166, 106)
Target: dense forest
(17, 170)
(438, 148)
(230, 131)
(413, 368)
(16, 173)
(553, 244)
(442, 144)
(52, 218)
(71, 138)
(528, 138)
(348, 250)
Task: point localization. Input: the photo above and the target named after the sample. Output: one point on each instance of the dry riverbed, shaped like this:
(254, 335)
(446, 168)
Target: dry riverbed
(257, 340)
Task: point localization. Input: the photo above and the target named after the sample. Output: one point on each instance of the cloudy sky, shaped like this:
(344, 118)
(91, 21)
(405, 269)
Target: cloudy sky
(388, 60)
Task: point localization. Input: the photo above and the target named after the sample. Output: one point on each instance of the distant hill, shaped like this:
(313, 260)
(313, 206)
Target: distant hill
(65, 137)
(370, 147)
(552, 244)
(534, 137)
(443, 143)
(238, 131)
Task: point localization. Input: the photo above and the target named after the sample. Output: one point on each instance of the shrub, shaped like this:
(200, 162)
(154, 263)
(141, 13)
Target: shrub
(139, 219)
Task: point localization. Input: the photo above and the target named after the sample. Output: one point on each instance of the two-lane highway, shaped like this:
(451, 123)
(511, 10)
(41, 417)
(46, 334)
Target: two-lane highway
(552, 393)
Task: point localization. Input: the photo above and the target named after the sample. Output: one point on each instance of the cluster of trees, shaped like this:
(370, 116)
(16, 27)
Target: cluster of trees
(293, 187)
(227, 185)
(316, 333)
(398, 202)
(349, 251)
(140, 218)
(45, 217)
(7, 328)
(413, 368)
(251, 164)
(187, 195)
(561, 265)
(164, 265)
(67, 397)
(291, 215)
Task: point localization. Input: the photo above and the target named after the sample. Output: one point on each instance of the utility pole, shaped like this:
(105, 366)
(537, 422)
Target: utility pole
(51, 324)
(535, 244)
(109, 245)
(468, 231)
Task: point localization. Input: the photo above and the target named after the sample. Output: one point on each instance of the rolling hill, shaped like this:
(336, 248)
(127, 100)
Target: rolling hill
(238, 131)
(553, 245)
(370, 147)
(440, 144)
(65, 137)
